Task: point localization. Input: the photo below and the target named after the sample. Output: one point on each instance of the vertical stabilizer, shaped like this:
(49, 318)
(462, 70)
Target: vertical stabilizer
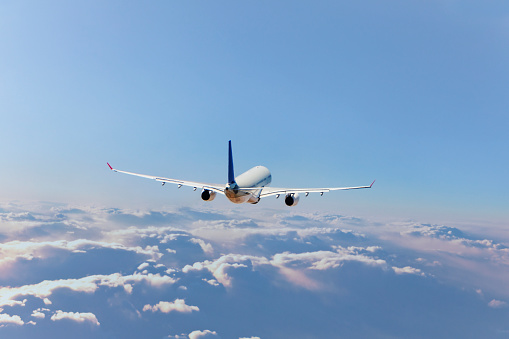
(231, 175)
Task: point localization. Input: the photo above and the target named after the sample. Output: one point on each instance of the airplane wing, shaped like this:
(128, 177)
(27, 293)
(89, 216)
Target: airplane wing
(268, 191)
(213, 187)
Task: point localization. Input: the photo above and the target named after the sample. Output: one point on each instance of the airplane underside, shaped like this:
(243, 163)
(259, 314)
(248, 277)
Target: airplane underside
(239, 196)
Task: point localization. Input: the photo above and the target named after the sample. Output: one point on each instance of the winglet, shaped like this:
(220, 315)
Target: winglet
(231, 175)
(372, 183)
(111, 168)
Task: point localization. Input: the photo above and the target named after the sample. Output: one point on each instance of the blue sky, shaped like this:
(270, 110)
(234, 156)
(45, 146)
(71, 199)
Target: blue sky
(412, 94)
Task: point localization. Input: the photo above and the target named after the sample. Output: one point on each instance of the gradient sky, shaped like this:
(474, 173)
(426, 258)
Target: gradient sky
(330, 93)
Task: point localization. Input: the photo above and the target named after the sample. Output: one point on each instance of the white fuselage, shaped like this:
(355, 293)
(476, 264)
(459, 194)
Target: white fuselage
(248, 185)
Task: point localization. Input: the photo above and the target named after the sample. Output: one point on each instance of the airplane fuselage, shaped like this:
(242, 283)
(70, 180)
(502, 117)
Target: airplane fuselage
(248, 186)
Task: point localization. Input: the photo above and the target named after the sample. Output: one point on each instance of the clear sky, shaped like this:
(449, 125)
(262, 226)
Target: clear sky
(336, 93)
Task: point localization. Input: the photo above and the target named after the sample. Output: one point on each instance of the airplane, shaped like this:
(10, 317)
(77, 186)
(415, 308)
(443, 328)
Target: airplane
(249, 187)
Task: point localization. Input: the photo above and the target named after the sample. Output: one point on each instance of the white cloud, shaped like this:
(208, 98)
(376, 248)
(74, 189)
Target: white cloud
(212, 282)
(452, 235)
(38, 314)
(202, 334)
(179, 305)
(88, 284)
(128, 288)
(206, 247)
(163, 234)
(407, 270)
(6, 319)
(497, 304)
(291, 265)
(323, 260)
(142, 266)
(219, 267)
(28, 250)
(357, 249)
(297, 249)
(76, 316)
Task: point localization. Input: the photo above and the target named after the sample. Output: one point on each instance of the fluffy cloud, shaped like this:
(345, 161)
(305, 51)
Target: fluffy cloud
(6, 319)
(179, 305)
(29, 249)
(289, 264)
(38, 313)
(407, 270)
(202, 334)
(44, 289)
(206, 247)
(300, 265)
(453, 235)
(219, 268)
(212, 282)
(76, 316)
(323, 260)
(143, 266)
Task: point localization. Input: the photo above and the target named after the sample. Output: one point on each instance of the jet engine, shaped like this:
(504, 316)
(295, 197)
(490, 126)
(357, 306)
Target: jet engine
(208, 195)
(292, 199)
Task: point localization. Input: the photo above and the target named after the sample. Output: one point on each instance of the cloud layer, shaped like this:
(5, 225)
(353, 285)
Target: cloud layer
(197, 274)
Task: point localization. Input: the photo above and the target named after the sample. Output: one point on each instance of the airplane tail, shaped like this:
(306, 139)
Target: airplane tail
(231, 175)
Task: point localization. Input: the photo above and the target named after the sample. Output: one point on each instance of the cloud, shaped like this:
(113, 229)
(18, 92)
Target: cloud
(239, 265)
(497, 304)
(454, 256)
(206, 247)
(202, 334)
(38, 313)
(76, 316)
(142, 266)
(219, 267)
(6, 319)
(29, 250)
(453, 235)
(90, 284)
(212, 282)
(323, 260)
(179, 305)
(290, 265)
(407, 270)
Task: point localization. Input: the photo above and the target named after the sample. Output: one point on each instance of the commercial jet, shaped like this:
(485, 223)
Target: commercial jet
(249, 187)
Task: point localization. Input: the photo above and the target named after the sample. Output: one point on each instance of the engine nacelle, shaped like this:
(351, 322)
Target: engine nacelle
(208, 195)
(292, 199)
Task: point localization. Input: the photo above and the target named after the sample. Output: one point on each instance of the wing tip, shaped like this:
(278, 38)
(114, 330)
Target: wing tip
(372, 183)
(111, 168)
